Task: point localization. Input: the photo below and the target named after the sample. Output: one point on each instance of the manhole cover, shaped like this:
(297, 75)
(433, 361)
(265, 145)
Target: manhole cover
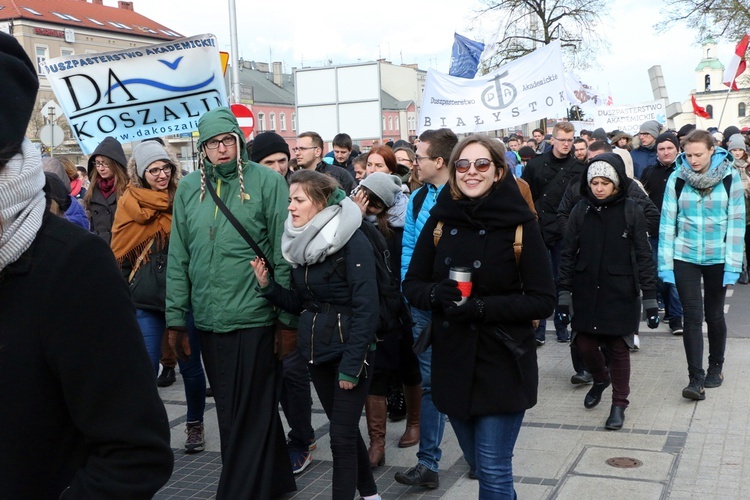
(624, 462)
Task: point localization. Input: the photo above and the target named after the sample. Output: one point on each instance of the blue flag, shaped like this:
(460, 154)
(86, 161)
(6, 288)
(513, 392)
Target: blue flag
(465, 56)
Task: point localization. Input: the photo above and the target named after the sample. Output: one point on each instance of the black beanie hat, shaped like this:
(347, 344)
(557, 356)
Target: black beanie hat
(268, 143)
(668, 136)
(17, 94)
(685, 130)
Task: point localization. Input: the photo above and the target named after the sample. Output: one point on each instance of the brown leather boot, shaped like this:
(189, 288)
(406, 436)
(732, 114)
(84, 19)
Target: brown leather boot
(413, 397)
(376, 411)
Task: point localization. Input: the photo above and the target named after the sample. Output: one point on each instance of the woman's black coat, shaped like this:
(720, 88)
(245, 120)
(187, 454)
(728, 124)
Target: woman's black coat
(475, 372)
(604, 263)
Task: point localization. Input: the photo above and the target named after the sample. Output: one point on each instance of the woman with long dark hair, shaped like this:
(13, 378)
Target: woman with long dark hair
(108, 180)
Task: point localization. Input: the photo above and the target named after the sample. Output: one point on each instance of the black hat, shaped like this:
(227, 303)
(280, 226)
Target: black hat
(17, 94)
(599, 134)
(685, 130)
(527, 153)
(668, 136)
(268, 143)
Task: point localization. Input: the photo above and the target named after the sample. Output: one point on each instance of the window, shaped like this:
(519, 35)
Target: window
(42, 54)
(395, 123)
(384, 122)
(294, 122)
(412, 120)
(261, 122)
(741, 109)
(272, 122)
(120, 25)
(32, 11)
(707, 81)
(67, 17)
(66, 52)
(95, 21)
(710, 111)
(390, 123)
(282, 122)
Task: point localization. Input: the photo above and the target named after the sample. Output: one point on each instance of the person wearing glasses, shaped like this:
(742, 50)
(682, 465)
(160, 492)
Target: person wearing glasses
(645, 154)
(309, 154)
(484, 364)
(140, 242)
(548, 176)
(108, 180)
(209, 272)
(431, 164)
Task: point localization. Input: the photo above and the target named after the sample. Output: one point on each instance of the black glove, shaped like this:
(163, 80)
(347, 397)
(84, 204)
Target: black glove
(445, 294)
(472, 311)
(652, 317)
(563, 314)
(652, 313)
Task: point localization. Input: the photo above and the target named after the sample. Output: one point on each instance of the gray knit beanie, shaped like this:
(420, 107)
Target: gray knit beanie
(384, 186)
(651, 127)
(147, 153)
(736, 141)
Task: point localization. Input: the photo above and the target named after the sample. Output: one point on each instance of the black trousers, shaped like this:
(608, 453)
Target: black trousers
(296, 401)
(351, 463)
(246, 379)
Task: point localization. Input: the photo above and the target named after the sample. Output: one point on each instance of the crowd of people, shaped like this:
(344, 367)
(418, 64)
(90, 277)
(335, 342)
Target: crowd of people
(266, 272)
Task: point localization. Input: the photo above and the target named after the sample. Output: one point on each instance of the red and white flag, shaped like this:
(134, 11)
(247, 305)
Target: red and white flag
(738, 64)
(698, 110)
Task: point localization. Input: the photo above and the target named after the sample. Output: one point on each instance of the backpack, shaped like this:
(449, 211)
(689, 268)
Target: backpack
(394, 312)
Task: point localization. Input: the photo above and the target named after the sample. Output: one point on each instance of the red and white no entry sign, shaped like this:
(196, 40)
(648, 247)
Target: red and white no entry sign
(245, 118)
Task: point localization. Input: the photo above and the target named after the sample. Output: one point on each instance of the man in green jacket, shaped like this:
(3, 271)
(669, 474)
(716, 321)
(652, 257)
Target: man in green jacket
(209, 272)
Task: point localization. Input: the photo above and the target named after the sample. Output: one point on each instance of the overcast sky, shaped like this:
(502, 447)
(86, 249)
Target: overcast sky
(421, 31)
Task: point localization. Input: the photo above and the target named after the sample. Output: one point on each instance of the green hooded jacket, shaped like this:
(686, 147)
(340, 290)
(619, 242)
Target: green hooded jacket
(209, 268)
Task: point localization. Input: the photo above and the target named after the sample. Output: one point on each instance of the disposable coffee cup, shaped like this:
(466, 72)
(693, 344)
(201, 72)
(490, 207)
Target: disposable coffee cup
(462, 275)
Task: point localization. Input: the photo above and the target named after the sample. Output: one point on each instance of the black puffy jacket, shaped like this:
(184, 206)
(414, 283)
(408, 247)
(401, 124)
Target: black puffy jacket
(337, 301)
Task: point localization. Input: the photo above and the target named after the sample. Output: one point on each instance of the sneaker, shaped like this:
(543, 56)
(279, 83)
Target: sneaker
(166, 378)
(540, 342)
(675, 326)
(196, 440)
(313, 444)
(714, 377)
(563, 339)
(694, 390)
(300, 460)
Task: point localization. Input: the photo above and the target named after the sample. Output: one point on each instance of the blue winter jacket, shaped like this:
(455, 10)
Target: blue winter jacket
(414, 227)
(703, 230)
(76, 214)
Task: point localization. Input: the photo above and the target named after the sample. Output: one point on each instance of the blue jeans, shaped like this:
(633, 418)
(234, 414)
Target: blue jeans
(668, 291)
(688, 279)
(554, 258)
(152, 325)
(490, 439)
(431, 421)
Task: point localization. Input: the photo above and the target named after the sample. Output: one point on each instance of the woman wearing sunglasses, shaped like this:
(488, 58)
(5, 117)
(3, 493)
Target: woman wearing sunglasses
(140, 242)
(484, 368)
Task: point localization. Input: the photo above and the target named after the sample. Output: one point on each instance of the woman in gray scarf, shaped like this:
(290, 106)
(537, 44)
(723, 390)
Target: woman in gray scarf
(334, 290)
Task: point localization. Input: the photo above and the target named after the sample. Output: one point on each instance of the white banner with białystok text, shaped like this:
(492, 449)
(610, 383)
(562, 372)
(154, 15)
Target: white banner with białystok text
(524, 90)
(137, 93)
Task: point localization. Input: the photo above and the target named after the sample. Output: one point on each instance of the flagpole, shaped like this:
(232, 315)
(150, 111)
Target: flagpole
(721, 116)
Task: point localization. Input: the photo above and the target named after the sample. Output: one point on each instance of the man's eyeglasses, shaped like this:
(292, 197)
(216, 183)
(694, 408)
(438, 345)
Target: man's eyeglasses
(303, 148)
(481, 164)
(564, 141)
(417, 159)
(166, 170)
(229, 140)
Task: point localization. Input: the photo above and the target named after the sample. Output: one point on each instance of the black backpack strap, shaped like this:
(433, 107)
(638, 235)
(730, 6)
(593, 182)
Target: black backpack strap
(418, 201)
(240, 229)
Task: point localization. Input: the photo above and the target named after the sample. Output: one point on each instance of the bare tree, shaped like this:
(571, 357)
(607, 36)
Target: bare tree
(727, 20)
(526, 25)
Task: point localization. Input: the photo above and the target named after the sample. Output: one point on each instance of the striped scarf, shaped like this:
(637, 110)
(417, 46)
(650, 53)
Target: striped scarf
(22, 203)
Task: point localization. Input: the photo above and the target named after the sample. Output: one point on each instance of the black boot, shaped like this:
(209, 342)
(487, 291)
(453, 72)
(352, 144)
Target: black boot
(694, 390)
(616, 418)
(595, 394)
(714, 377)
(166, 378)
(419, 475)
(582, 377)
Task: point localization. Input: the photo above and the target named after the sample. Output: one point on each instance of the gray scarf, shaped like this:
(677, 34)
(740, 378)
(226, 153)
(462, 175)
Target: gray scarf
(705, 182)
(21, 203)
(326, 233)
